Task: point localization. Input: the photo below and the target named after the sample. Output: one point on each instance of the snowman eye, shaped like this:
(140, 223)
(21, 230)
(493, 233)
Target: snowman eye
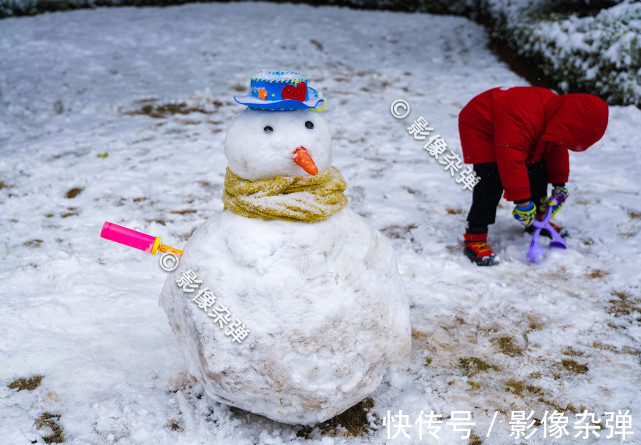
(268, 129)
(309, 125)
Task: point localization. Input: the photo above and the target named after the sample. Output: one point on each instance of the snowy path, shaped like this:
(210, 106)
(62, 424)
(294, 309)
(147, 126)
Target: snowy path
(79, 145)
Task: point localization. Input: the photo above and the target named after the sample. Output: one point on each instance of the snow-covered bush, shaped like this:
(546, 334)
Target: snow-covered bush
(580, 45)
(599, 54)
(30, 7)
(589, 49)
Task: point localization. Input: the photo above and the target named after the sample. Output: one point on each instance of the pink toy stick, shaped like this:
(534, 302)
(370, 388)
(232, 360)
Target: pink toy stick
(137, 240)
(128, 237)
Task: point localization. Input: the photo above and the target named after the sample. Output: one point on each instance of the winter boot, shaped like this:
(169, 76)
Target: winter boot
(477, 250)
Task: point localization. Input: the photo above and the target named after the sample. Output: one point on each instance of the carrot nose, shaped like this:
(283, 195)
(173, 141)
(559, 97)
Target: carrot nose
(305, 161)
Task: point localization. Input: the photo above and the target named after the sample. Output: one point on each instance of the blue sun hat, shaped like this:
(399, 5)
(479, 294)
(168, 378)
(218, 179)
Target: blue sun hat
(281, 91)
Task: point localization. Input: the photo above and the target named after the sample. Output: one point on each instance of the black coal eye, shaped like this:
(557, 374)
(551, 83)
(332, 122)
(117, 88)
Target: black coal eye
(309, 125)
(268, 129)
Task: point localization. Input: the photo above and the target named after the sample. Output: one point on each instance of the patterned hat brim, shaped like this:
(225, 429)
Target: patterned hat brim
(314, 102)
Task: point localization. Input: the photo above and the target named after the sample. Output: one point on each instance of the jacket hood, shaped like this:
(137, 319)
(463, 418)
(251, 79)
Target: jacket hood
(575, 121)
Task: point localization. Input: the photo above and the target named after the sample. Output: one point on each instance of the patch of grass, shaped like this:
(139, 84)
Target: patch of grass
(162, 111)
(475, 440)
(557, 406)
(186, 236)
(605, 347)
(487, 331)
(4, 186)
(72, 193)
(506, 346)
(473, 365)
(146, 101)
(623, 304)
(634, 215)
(571, 408)
(428, 361)
(454, 249)
(168, 108)
(399, 232)
(49, 420)
(183, 212)
(474, 386)
(451, 211)
(29, 383)
(524, 389)
(596, 273)
(33, 243)
(574, 366)
(175, 425)
(612, 348)
(521, 387)
(571, 352)
(535, 325)
(317, 44)
(102, 155)
(418, 335)
(412, 191)
(351, 423)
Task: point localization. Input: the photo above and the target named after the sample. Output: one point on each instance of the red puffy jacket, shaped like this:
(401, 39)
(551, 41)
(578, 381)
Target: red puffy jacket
(522, 125)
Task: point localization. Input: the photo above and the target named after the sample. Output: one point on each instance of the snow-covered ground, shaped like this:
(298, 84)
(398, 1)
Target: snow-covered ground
(86, 136)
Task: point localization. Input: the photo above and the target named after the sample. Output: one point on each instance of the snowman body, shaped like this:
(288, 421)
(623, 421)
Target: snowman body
(323, 302)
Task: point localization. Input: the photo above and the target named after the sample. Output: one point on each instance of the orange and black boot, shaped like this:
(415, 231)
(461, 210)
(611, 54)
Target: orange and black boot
(477, 250)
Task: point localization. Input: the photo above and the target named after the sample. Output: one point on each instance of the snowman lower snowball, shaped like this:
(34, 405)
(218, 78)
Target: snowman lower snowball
(287, 304)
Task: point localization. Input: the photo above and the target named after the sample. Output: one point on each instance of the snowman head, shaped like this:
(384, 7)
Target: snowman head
(266, 144)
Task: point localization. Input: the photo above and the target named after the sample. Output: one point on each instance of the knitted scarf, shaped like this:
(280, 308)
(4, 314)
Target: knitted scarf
(290, 198)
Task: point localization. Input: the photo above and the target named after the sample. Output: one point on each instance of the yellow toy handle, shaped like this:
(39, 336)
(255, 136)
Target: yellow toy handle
(168, 249)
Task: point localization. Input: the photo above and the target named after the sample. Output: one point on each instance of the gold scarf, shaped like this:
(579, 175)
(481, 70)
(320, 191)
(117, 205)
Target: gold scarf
(290, 198)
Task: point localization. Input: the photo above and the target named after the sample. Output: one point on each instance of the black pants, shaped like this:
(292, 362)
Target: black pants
(487, 193)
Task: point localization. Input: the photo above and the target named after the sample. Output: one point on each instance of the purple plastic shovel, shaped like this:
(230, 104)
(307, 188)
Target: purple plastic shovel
(536, 252)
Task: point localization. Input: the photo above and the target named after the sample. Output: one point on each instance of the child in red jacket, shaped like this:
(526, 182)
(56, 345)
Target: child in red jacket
(518, 140)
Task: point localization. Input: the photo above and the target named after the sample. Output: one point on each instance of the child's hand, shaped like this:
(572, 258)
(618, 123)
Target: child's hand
(557, 198)
(524, 213)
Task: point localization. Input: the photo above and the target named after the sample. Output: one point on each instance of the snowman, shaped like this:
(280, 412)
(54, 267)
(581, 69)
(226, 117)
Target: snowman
(287, 304)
